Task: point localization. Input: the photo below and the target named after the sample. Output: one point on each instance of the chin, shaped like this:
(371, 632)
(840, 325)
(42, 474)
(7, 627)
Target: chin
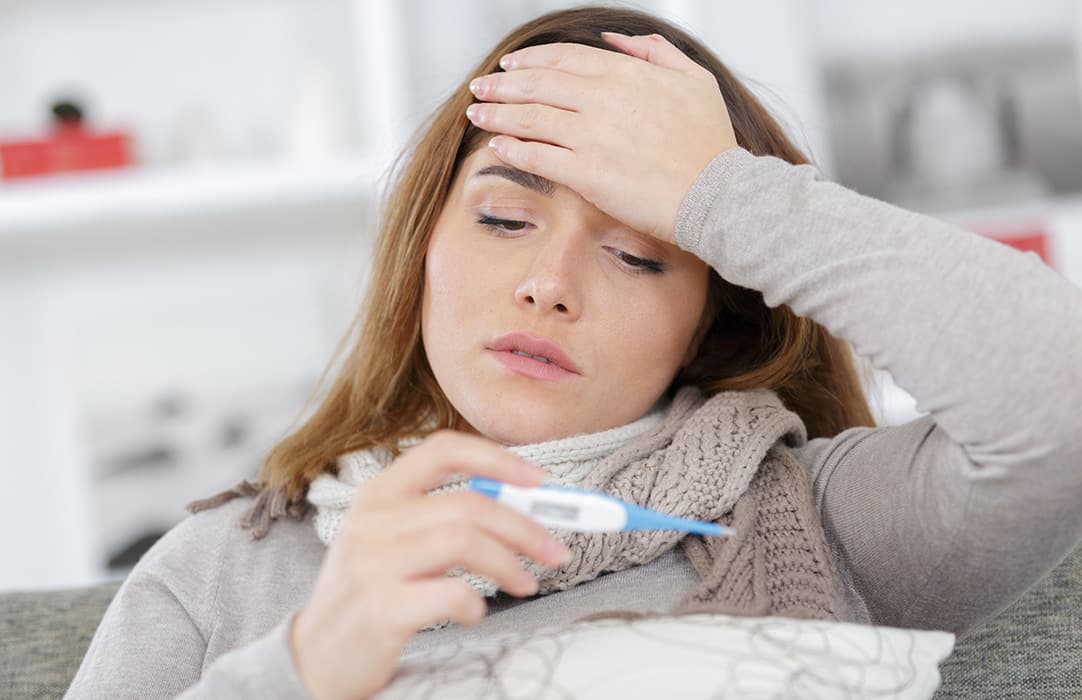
(514, 428)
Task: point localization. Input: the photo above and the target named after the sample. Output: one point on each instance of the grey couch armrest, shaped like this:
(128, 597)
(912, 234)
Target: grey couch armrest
(44, 636)
(1032, 650)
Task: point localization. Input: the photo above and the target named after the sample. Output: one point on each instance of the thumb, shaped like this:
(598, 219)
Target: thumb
(652, 48)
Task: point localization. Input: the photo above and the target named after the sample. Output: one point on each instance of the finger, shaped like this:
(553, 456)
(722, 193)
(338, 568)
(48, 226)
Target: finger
(444, 453)
(515, 530)
(435, 552)
(653, 48)
(553, 162)
(578, 59)
(535, 122)
(538, 85)
(424, 603)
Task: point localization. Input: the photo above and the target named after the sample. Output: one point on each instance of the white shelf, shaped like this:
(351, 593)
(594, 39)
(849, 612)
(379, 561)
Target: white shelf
(122, 199)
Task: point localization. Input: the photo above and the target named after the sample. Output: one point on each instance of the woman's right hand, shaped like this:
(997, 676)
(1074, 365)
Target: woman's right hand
(384, 575)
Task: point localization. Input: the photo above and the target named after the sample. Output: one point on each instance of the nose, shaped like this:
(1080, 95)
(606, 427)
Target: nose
(549, 285)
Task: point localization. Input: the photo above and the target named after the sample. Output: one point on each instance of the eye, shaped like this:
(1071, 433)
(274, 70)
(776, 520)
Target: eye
(632, 263)
(636, 264)
(502, 227)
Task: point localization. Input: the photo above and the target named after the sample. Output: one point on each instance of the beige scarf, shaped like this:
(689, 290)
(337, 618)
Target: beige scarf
(722, 459)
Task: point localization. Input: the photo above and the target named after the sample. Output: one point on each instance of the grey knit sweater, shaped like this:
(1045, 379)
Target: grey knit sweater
(940, 523)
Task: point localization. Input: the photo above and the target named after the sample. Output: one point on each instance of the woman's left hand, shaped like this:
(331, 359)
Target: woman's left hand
(629, 132)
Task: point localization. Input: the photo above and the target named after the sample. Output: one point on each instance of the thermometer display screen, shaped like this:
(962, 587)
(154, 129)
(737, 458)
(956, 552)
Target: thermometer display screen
(555, 510)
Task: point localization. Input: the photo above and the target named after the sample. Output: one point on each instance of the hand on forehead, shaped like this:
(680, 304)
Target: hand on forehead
(629, 130)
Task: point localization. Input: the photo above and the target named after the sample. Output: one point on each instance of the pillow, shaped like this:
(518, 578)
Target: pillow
(690, 656)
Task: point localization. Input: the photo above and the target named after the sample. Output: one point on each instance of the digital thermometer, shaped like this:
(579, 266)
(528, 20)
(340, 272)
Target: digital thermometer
(587, 511)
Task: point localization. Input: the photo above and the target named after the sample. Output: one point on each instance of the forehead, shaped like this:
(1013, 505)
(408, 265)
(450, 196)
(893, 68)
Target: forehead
(482, 167)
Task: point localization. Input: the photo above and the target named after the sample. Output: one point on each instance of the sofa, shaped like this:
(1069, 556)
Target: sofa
(1032, 650)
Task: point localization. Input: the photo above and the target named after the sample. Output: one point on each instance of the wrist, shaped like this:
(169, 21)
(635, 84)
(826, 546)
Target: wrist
(298, 649)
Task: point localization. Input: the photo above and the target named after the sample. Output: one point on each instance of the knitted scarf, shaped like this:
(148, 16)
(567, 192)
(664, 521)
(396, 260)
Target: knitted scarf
(722, 459)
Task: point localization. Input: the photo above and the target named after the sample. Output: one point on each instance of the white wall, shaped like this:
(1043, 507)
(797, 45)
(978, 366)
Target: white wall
(879, 28)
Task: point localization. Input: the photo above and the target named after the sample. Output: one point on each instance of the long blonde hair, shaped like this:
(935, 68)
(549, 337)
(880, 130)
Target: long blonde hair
(384, 390)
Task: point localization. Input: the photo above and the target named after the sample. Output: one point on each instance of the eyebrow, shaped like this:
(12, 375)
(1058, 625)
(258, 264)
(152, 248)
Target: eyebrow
(530, 181)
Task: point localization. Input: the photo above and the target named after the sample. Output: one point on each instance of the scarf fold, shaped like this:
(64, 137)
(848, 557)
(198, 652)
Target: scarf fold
(722, 459)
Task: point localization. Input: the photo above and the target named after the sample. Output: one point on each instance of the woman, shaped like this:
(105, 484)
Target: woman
(640, 285)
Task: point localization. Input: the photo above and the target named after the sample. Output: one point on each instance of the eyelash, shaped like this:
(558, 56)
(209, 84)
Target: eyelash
(635, 264)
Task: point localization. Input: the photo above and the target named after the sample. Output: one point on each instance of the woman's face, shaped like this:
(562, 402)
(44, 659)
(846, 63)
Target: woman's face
(512, 254)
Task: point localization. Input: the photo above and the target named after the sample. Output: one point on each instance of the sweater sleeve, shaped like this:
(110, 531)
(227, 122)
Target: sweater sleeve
(946, 520)
(152, 639)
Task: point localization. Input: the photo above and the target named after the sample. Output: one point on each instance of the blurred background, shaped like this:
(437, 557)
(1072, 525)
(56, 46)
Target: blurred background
(188, 189)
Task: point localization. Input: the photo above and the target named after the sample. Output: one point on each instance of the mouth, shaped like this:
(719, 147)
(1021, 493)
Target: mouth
(533, 356)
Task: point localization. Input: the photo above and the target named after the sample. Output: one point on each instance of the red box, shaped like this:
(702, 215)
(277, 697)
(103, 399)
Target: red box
(1026, 240)
(66, 150)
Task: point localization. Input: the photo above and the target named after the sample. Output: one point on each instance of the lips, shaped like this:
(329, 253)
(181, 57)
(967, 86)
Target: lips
(537, 348)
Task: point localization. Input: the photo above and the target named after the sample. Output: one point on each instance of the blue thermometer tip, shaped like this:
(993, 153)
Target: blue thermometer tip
(639, 518)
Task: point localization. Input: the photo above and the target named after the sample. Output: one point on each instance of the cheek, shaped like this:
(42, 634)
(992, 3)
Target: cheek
(653, 333)
(453, 292)
(443, 285)
(647, 338)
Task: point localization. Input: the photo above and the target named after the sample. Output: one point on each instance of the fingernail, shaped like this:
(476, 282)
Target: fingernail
(471, 111)
(477, 85)
(506, 62)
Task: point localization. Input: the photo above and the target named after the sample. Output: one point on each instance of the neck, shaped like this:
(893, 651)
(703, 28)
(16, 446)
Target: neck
(589, 447)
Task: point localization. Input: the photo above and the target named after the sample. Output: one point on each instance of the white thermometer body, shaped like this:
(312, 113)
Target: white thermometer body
(584, 512)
